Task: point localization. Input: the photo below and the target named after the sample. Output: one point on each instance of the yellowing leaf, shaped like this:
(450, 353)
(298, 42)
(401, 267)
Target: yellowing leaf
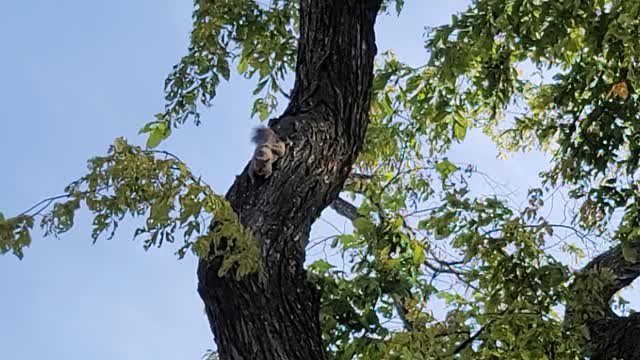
(418, 253)
(620, 90)
(243, 65)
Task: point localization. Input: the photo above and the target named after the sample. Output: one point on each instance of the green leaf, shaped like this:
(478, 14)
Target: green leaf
(120, 144)
(260, 86)
(243, 66)
(363, 225)
(381, 80)
(263, 113)
(223, 69)
(460, 126)
(159, 212)
(24, 239)
(321, 266)
(445, 168)
(147, 127)
(387, 104)
(201, 247)
(158, 133)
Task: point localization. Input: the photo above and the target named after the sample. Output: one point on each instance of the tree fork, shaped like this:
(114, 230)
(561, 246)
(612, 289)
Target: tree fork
(277, 316)
(612, 336)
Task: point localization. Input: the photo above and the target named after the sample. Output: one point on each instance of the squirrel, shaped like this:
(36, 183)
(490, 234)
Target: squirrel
(269, 148)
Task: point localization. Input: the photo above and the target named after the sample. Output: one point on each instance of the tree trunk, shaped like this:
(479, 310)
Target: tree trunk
(611, 336)
(615, 337)
(277, 316)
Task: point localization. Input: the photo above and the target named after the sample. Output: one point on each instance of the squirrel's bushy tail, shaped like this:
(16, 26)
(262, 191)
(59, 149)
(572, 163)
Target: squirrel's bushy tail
(263, 135)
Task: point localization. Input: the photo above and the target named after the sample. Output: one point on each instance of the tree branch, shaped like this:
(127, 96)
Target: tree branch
(471, 339)
(345, 208)
(623, 272)
(594, 286)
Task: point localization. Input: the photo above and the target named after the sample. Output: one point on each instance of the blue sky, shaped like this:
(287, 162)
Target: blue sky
(75, 77)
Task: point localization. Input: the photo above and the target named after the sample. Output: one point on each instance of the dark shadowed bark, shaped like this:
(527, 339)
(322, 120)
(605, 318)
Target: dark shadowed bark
(611, 336)
(277, 317)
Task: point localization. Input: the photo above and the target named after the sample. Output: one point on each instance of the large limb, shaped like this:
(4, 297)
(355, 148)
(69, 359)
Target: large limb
(612, 336)
(277, 316)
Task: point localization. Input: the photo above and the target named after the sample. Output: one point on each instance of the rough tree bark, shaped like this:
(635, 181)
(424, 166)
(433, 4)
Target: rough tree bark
(277, 317)
(611, 336)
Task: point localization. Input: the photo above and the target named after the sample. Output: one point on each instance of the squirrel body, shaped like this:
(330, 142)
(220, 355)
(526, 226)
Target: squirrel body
(269, 148)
